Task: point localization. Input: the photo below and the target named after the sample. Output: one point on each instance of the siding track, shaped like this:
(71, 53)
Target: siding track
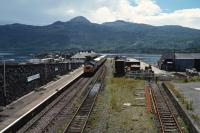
(164, 111)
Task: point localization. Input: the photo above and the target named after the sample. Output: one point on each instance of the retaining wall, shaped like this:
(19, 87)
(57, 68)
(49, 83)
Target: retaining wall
(192, 127)
(22, 79)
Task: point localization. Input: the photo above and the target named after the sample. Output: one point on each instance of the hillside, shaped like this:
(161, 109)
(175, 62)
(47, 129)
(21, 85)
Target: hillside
(79, 33)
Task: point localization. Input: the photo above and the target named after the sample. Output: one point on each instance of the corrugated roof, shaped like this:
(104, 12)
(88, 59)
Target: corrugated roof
(132, 60)
(82, 55)
(167, 56)
(196, 55)
(187, 55)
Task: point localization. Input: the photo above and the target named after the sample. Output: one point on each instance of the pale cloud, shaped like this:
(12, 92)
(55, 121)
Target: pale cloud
(145, 11)
(44, 12)
(70, 11)
(186, 17)
(125, 11)
(102, 14)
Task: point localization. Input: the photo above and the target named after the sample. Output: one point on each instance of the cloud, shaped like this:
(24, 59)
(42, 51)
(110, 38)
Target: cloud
(148, 12)
(186, 17)
(102, 14)
(125, 11)
(44, 12)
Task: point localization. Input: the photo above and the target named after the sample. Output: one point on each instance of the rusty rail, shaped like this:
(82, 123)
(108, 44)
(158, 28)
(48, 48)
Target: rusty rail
(165, 115)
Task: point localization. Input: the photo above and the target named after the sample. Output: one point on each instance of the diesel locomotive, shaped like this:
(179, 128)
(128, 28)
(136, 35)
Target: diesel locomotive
(91, 66)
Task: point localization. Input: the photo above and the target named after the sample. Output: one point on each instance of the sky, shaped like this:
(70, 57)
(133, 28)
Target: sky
(154, 12)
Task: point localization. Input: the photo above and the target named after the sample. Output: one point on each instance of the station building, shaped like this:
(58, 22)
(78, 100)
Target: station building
(80, 57)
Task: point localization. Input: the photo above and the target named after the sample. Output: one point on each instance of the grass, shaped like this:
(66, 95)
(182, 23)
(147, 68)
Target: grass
(196, 118)
(188, 104)
(186, 79)
(110, 115)
(192, 79)
(122, 90)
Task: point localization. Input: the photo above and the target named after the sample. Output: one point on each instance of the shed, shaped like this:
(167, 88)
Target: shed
(180, 61)
(185, 61)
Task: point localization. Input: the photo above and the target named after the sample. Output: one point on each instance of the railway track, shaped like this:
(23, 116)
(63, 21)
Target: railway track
(164, 111)
(45, 120)
(80, 118)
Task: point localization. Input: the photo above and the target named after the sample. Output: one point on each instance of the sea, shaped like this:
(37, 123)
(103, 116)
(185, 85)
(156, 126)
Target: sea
(18, 57)
(14, 57)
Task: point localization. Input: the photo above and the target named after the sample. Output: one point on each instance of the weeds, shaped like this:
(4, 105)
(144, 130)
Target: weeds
(191, 79)
(188, 104)
(196, 118)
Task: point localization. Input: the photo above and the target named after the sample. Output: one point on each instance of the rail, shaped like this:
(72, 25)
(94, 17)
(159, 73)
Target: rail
(166, 117)
(80, 118)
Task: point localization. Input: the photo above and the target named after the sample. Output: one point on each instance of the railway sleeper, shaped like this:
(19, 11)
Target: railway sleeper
(84, 110)
(162, 107)
(173, 127)
(170, 131)
(168, 120)
(169, 123)
(164, 111)
(81, 116)
(85, 107)
(74, 130)
(166, 116)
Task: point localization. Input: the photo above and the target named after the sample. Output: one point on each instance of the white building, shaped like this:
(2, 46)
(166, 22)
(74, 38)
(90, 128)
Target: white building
(81, 56)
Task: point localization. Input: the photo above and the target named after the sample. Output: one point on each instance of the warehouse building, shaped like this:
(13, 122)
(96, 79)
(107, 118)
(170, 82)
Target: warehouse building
(180, 61)
(166, 62)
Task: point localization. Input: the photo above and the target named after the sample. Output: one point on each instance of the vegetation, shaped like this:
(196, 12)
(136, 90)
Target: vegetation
(121, 107)
(192, 79)
(185, 79)
(116, 36)
(196, 118)
(188, 104)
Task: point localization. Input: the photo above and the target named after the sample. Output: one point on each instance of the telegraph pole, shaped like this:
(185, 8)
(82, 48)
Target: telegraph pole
(4, 82)
(45, 65)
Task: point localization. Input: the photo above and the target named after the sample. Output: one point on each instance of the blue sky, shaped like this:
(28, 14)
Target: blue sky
(153, 12)
(172, 5)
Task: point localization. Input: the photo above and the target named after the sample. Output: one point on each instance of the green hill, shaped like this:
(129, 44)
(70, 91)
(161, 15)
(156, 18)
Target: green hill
(79, 33)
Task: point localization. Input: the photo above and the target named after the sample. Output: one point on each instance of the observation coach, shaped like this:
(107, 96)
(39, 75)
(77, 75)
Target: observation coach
(91, 66)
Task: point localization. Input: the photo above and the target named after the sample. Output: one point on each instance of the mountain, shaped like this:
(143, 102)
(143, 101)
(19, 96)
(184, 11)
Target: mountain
(80, 34)
(79, 19)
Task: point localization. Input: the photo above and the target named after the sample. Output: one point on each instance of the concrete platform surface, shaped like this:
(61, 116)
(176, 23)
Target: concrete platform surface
(19, 107)
(192, 92)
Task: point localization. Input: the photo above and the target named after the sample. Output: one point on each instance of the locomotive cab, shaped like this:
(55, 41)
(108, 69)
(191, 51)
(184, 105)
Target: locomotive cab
(91, 66)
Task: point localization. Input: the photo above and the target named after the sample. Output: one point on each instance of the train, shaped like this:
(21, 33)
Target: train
(91, 66)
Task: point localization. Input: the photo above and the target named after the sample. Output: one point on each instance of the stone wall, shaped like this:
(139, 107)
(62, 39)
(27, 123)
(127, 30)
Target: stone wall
(192, 127)
(22, 79)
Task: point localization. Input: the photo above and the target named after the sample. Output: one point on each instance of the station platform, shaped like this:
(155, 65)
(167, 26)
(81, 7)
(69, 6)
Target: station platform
(18, 108)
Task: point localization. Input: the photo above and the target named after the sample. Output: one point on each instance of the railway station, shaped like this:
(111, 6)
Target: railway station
(15, 111)
(140, 94)
(100, 66)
